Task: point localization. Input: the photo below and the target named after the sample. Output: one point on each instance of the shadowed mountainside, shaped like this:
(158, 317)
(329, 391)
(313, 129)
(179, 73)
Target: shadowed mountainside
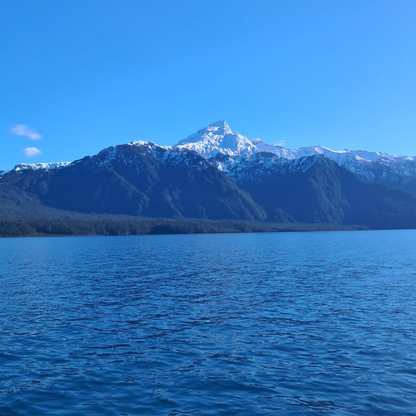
(145, 180)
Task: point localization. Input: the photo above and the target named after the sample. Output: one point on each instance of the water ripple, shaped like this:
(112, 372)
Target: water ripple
(209, 324)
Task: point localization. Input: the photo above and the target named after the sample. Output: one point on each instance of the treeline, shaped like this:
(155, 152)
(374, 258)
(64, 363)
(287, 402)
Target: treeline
(120, 226)
(16, 229)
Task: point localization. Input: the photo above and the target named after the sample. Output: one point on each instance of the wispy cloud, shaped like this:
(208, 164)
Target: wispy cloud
(32, 151)
(280, 143)
(23, 130)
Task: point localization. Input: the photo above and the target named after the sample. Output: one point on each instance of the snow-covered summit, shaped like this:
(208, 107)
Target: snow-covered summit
(218, 138)
(232, 152)
(217, 129)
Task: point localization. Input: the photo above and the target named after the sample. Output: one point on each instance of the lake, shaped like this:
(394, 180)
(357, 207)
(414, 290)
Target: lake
(226, 324)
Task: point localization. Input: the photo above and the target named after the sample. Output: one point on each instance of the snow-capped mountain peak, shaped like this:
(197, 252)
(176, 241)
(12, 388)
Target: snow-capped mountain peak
(219, 128)
(217, 138)
(233, 153)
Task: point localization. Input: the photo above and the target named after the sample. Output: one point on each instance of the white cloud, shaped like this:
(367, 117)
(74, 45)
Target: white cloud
(32, 151)
(23, 130)
(281, 143)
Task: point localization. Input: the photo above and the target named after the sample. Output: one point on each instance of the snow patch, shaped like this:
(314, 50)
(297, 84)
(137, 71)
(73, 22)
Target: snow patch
(37, 166)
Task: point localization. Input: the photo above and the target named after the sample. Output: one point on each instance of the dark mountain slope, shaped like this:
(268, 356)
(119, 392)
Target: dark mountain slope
(376, 205)
(317, 189)
(141, 179)
(400, 176)
(16, 204)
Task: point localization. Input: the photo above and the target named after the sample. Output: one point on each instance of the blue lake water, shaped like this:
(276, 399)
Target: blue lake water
(242, 324)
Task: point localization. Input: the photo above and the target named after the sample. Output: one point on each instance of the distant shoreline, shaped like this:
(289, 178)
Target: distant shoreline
(120, 226)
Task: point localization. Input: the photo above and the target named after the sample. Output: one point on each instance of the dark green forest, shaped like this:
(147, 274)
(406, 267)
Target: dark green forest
(122, 226)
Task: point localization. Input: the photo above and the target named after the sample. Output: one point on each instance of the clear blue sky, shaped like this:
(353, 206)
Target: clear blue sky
(86, 74)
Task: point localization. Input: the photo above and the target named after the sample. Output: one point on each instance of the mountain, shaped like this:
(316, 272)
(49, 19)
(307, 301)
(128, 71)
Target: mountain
(218, 138)
(317, 190)
(232, 153)
(140, 178)
(219, 174)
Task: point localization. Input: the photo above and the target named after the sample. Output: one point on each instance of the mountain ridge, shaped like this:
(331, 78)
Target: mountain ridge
(218, 138)
(218, 174)
(144, 180)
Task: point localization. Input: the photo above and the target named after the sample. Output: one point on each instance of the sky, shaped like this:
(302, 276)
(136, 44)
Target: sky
(78, 76)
